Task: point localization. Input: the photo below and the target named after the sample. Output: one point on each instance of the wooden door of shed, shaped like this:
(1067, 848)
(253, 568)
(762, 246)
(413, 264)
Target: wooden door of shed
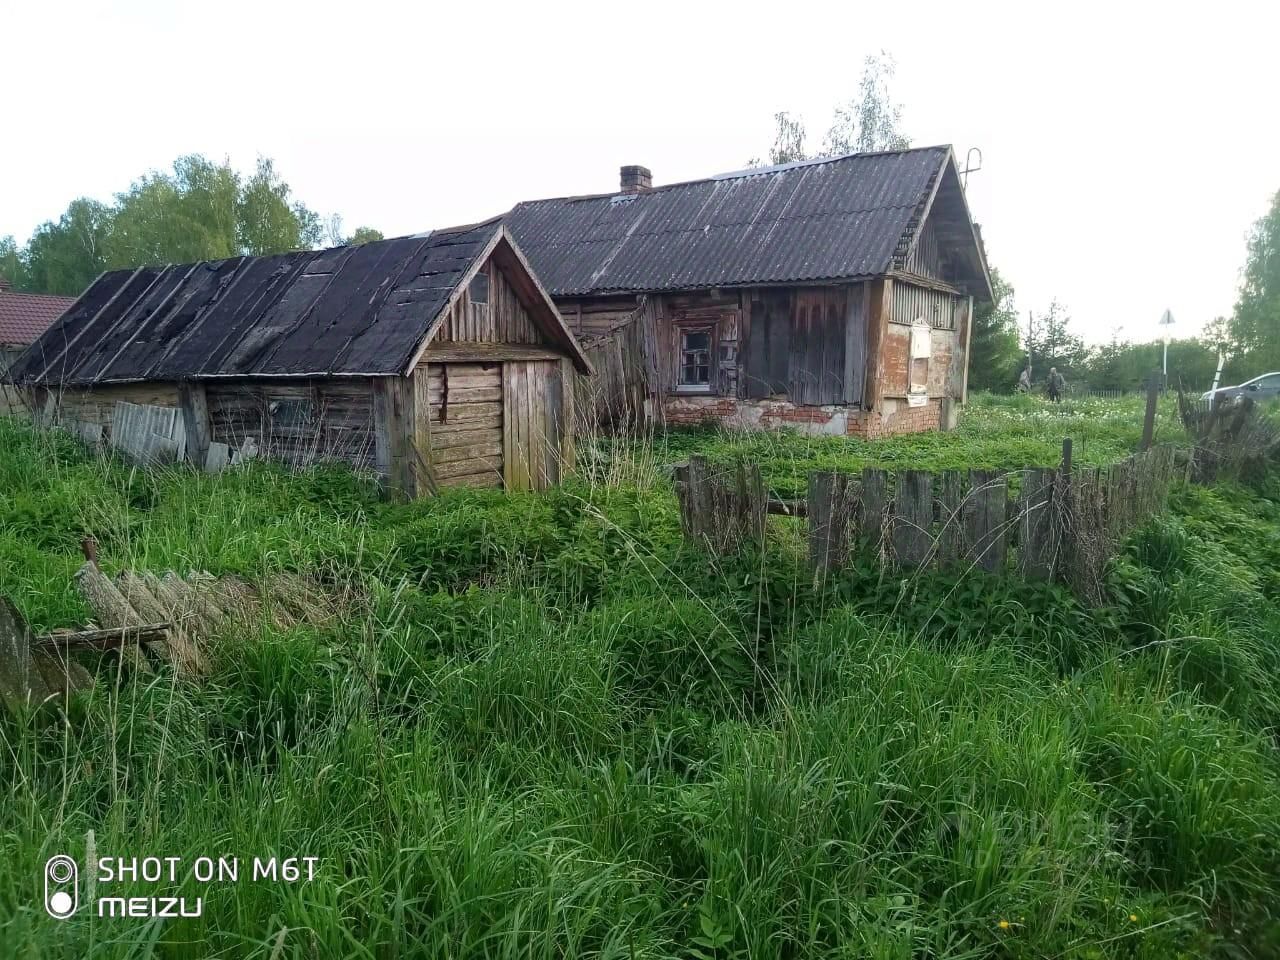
(536, 423)
(466, 423)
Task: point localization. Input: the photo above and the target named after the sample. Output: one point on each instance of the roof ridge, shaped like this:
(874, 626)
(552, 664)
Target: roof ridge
(740, 174)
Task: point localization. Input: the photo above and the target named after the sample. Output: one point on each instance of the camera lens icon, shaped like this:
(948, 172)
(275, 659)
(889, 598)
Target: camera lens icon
(60, 895)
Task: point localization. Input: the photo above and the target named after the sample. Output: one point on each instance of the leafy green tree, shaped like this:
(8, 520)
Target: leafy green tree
(200, 210)
(13, 269)
(1254, 328)
(1121, 365)
(188, 215)
(65, 257)
(266, 220)
(994, 354)
(871, 120)
(364, 235)
(1051, 343)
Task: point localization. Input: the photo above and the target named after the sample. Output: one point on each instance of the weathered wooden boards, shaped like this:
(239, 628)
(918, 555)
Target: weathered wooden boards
(721, 507)
(150, 619)
(1043, 523)
(465, 422)
(624, 356)
(29, 672)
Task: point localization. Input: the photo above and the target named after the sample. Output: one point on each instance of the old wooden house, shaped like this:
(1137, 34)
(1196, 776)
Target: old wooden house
(834, 295)
(433, 360)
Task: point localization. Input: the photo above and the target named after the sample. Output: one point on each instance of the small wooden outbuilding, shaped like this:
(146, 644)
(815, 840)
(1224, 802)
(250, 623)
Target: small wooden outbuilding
(434, 360)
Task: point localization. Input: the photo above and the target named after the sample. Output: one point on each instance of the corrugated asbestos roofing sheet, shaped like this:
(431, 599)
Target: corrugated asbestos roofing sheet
(348, 310)
(24, 316)
(821, 220)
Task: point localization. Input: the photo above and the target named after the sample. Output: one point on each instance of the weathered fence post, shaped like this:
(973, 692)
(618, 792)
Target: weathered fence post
(1038, 526)
(952, 546)
(872, 508)
(987, 519)
(912, 520)
(832, 512)
(721, 507)
(1149, 421)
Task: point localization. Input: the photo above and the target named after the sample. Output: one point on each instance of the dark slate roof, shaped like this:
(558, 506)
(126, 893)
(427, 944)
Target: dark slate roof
(349, 310)
(24, 316)
(838, 218)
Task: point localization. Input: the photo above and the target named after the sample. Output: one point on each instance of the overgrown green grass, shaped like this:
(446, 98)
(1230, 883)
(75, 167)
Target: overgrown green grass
(1000, 433)
(558, 732)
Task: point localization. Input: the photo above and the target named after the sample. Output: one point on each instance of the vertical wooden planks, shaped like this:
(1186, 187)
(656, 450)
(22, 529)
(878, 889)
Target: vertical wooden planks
(832, 514)
(721, 507)
(193, 403)
(880, 309)
(516, 426)
(569, 418)
(1038, 533)
(986, 519)
(912, 519)
(953, 545)
(857, 297)
(873, 508)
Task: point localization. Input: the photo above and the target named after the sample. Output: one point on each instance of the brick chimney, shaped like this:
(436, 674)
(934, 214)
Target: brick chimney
(636, 179)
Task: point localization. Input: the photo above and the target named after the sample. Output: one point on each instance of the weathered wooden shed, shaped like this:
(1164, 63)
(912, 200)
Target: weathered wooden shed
(832, 295)
(434, 360)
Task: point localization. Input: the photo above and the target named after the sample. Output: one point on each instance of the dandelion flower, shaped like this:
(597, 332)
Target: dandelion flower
(1004, 924)
(1133, 918)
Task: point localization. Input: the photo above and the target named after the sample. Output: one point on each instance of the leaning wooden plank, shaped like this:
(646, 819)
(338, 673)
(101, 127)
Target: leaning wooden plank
(191, 602)
(21, 681)
(179, 647)
(110, 608)
(61, 673)
(873, 506)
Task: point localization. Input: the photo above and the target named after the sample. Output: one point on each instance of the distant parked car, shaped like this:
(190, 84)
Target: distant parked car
(1264, 387)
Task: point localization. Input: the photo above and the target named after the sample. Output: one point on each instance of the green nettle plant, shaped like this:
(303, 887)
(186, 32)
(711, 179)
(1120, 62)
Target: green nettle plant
(553, 729)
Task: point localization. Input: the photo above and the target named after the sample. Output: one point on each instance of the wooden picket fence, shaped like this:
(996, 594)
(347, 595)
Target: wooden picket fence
(1060, 524)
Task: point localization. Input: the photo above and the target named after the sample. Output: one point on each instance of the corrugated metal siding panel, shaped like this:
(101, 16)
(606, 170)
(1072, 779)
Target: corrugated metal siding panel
(830, 220)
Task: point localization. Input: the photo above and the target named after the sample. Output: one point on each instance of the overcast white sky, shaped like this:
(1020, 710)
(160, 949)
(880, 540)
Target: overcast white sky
(1127, 147)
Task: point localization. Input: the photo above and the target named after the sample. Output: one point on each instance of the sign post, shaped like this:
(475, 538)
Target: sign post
(1166, 321)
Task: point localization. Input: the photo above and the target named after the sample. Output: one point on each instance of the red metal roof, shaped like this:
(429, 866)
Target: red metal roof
(24, 316)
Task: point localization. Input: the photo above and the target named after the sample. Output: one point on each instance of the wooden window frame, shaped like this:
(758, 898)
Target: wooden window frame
(712, 329)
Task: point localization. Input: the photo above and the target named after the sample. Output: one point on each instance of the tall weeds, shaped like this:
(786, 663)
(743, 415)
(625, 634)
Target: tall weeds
(557, 731)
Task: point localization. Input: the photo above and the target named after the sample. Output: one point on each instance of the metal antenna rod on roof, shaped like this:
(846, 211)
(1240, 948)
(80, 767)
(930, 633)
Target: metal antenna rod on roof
(968, 166)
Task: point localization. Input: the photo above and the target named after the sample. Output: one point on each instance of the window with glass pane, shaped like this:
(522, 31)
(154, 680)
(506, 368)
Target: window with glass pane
(695, 358)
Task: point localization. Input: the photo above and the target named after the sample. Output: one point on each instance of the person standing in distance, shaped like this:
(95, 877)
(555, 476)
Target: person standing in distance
(1056, 385)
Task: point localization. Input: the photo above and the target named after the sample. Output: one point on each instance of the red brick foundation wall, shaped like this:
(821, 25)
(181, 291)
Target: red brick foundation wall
(897, 417)
(894, 417)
